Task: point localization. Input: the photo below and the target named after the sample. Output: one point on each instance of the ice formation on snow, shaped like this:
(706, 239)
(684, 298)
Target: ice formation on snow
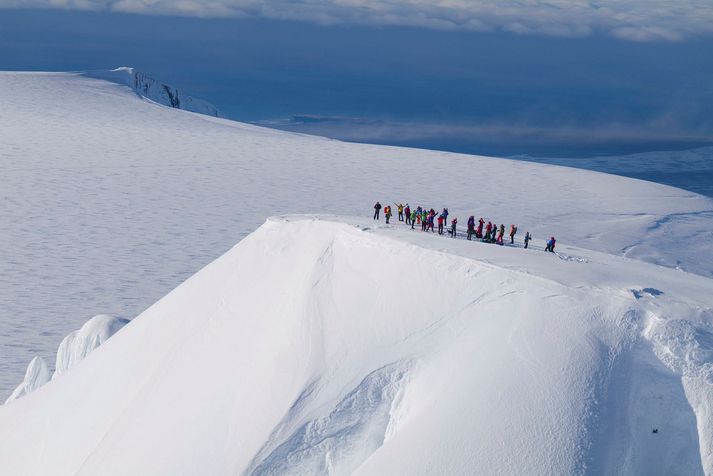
(37, 375)
(73, 348)
(155, 90)
(78, 344)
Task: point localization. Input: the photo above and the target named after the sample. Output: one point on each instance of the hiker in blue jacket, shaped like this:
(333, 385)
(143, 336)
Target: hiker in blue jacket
(551, 245)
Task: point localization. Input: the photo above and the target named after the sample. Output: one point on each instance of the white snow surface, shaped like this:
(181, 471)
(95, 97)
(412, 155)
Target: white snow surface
(109, 201)
(336, 346)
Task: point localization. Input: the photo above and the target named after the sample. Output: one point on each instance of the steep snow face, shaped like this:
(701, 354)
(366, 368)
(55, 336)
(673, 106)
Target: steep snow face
(320, 347)
(155, 90)
(109, 201)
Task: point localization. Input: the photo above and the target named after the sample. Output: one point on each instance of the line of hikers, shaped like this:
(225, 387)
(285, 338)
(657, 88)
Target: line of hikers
(426, 219)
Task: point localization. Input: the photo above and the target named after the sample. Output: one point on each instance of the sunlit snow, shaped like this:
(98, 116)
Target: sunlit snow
(333, 343)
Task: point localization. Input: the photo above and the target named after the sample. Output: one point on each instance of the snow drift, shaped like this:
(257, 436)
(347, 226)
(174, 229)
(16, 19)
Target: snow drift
(321, 347)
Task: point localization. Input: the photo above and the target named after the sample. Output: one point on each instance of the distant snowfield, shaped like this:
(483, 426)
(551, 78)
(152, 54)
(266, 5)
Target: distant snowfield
(324, 345)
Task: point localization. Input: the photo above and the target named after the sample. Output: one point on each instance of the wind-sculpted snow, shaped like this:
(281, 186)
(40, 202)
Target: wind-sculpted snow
(110, 201)
(37, 374)
(686, 347)
(337, 346)
(78, 344)
(74, 348)
(339, 442)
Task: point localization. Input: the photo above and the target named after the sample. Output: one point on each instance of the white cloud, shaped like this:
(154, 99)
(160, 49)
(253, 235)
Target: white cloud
(637, 20)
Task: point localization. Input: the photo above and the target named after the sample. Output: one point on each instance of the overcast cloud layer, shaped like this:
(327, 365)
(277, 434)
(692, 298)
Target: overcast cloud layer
(637, 20)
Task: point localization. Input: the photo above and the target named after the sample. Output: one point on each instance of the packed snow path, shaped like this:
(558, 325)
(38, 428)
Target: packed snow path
(317, 346)
(109, 201)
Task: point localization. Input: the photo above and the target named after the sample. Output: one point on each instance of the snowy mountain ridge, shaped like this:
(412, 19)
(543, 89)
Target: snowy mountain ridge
(331, 344)
(155, 90)
(325, 362)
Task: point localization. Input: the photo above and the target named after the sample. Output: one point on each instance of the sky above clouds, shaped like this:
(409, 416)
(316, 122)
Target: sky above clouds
(636, 20)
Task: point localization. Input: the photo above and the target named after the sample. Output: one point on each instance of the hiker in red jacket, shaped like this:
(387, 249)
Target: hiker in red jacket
(479, 230)
(513, 230)
(440, 224)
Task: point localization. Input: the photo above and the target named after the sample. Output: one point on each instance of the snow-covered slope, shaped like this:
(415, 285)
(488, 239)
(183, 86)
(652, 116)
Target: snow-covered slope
(109, 201)
(316, 346)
